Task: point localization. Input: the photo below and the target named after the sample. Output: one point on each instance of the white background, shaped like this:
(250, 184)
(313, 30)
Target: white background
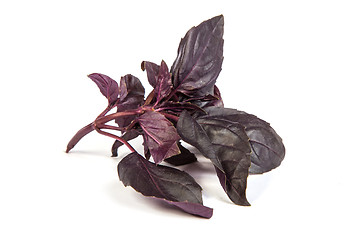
(294, 64)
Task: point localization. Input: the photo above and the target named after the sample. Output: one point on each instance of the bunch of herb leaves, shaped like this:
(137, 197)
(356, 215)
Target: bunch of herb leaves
(184, 105)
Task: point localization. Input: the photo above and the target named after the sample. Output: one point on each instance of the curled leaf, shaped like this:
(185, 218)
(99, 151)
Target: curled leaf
(108, 87)
(152, 71)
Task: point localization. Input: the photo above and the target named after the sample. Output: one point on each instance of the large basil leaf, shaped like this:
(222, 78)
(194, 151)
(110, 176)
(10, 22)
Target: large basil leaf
(267, 147)
(131, 97)
(160, 135)
(108, 87)
(169, 184)
(199, 59)
(227, 146)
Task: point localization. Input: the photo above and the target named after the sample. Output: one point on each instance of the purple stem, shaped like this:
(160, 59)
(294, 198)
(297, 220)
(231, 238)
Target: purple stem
(116, 137)
(79, 135)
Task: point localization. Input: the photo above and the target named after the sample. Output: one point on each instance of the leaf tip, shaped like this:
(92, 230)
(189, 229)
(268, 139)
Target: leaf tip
(143, 65)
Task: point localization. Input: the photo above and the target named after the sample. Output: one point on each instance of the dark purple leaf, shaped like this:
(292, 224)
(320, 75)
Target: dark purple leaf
(268, 151)
(160, 135)
(199, 59)
(227, 145)
(164, 84)
(152, 71)
(131, 97)
(191, 132)
(108, 87)
(185, 157)
(168, 184)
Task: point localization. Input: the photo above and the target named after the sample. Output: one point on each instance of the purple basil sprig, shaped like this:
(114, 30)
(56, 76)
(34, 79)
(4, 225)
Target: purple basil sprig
(186, 105)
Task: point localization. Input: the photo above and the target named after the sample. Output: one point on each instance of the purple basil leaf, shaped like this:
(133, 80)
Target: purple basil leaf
(131, 97)
(185, 157)
(163, 85)
(160, 136)
(267, 147)
(152, 71)
(199, 59)
(168, 184)
(193, 133)
(108, 87)
(228, 143)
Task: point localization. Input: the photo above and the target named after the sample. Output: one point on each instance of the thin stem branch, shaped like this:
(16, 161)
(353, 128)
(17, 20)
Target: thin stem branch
(104, 126)
(170, 116)
(79, 135)
(115, 137)
(104, 119)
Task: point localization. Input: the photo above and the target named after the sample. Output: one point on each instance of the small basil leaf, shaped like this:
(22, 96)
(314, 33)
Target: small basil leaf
(185, 157)
(152, 71)
(168, 184)
(268, 150)
(160, 135)
(199, 58)
(108, 87)
(131, 97)
(164, 84)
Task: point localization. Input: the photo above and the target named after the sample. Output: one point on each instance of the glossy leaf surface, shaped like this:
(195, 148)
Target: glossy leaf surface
(199, 58)
(171, 185)
(160, 136)
(267, 147)
(108, 87)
